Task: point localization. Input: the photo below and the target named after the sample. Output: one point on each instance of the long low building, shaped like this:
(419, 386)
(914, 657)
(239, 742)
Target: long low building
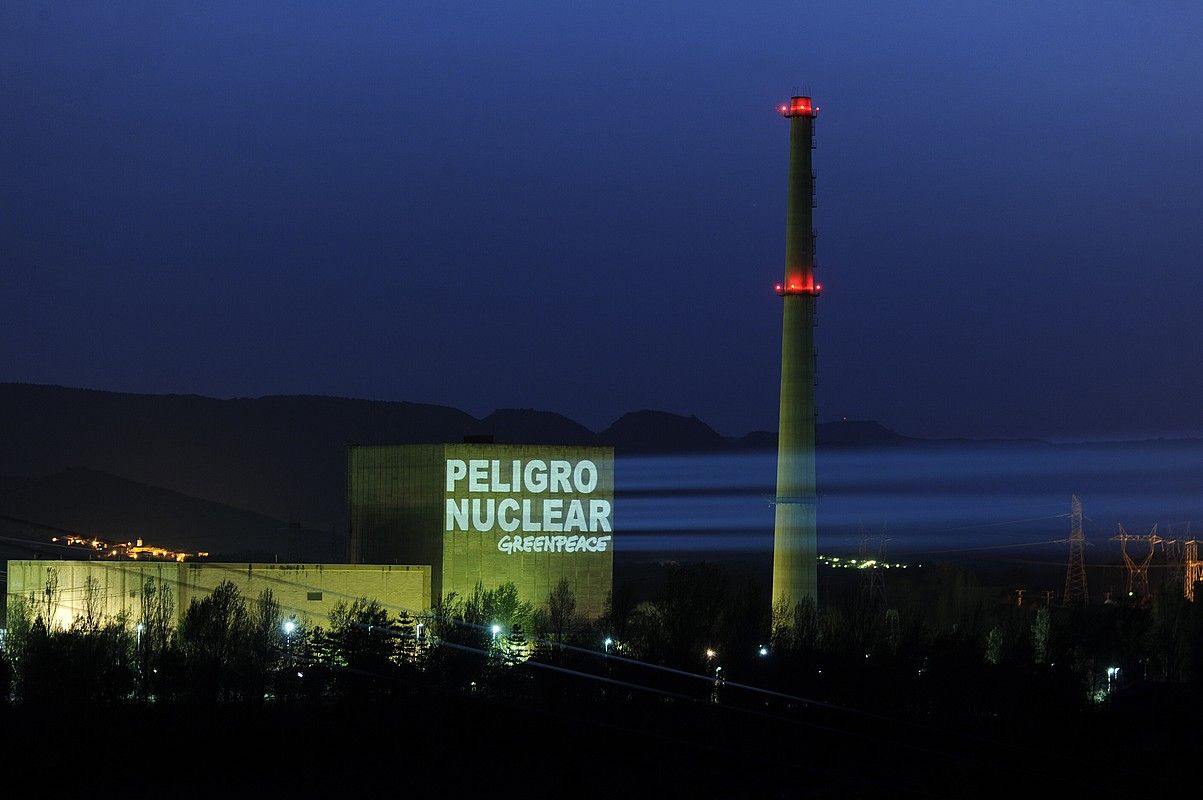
(306, 592)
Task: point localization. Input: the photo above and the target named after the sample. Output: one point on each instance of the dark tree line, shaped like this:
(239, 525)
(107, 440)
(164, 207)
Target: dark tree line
(942, 647)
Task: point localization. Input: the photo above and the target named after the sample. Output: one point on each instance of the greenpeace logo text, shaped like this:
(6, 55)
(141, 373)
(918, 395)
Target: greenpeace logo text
(573, 511)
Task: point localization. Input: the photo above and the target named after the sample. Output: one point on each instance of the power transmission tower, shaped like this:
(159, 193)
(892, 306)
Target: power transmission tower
(1138, 572)
(873, 565)
(1194, 569)
(1179, 534)
(1075, 575)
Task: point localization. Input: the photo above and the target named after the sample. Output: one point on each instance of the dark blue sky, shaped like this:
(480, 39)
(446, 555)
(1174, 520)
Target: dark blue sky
(581, 207)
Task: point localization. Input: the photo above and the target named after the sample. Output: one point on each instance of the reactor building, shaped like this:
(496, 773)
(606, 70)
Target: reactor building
(795, 573)
(487, 514)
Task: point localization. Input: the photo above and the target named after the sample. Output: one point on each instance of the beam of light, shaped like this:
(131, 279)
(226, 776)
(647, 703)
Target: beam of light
(931, 497)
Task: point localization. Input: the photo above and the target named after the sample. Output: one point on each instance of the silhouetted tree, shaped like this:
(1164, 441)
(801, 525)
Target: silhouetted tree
(744, 626)
(213, 636)
(364, 646)
(17, 638)
(50, 597)
(266, 642)
(6, 677)
(159, 660)
(93, 605)
(689, 607)
(561, 608)
(620, 605)
(1040, 630)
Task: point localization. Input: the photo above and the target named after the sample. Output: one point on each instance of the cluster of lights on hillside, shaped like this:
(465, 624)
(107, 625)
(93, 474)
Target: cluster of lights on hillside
(134, 551)
(863, 563)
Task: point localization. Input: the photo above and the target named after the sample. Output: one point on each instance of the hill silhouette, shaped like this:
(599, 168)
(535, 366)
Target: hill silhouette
(660, 432)
(90, 503)
(282, 458)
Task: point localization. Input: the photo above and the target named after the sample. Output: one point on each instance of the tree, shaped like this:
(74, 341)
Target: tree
(214, 635)
(745, 626)
(6, 677)
(158, 658)
(487, 607)
(265, 640)
(50, 597)
(1040, 635)
(363, 645)
(892, 636)
(994, 645)
(561, 606)
(93, 605)
(620, 606)
(459, 657)
(17, 639)
(689, 607)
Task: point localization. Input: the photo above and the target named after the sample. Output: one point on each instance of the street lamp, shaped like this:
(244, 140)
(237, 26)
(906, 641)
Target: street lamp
(496, 631)
(289, 627)
(764, 651)
(607, 643)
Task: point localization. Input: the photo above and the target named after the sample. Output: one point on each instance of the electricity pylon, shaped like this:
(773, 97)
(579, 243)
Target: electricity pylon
(1138, 572)
(874, 580)
(1075, 575)
(1194, 569)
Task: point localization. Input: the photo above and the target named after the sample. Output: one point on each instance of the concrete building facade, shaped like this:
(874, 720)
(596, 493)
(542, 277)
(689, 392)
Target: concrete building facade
(305, 592)
(488, 514)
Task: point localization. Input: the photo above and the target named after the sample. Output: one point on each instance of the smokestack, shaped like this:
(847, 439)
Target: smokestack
(795, 573)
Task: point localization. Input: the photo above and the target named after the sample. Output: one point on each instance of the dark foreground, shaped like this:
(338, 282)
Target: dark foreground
(624, 745)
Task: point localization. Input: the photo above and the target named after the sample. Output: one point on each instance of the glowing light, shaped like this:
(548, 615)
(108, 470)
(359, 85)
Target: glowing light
(798, 107)
(710, 652)
(289, 626)
(764, 651)
(793, 286)
(496, 630)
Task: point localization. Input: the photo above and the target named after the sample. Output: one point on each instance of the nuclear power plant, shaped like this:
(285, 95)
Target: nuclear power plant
(795, 574)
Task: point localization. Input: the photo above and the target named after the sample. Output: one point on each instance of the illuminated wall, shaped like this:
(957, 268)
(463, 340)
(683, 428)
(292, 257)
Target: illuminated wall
(488, 513)
(305, 591)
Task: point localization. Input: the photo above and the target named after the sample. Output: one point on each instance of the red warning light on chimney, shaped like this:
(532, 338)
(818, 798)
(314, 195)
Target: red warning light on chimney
(798, 107)
(794, 288)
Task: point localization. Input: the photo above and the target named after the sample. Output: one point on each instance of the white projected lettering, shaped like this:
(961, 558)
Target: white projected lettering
(572, 515)
(554, 544)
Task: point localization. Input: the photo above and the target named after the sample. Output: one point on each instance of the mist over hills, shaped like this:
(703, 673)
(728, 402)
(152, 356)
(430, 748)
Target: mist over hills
(284, 457)
(269, 473)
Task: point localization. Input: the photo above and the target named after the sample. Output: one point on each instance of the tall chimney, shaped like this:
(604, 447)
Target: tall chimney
(795, 573)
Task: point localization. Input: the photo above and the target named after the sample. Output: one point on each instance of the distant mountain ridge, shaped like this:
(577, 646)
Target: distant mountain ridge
(284, 457)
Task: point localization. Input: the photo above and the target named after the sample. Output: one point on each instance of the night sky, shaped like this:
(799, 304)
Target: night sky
(581, 208)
